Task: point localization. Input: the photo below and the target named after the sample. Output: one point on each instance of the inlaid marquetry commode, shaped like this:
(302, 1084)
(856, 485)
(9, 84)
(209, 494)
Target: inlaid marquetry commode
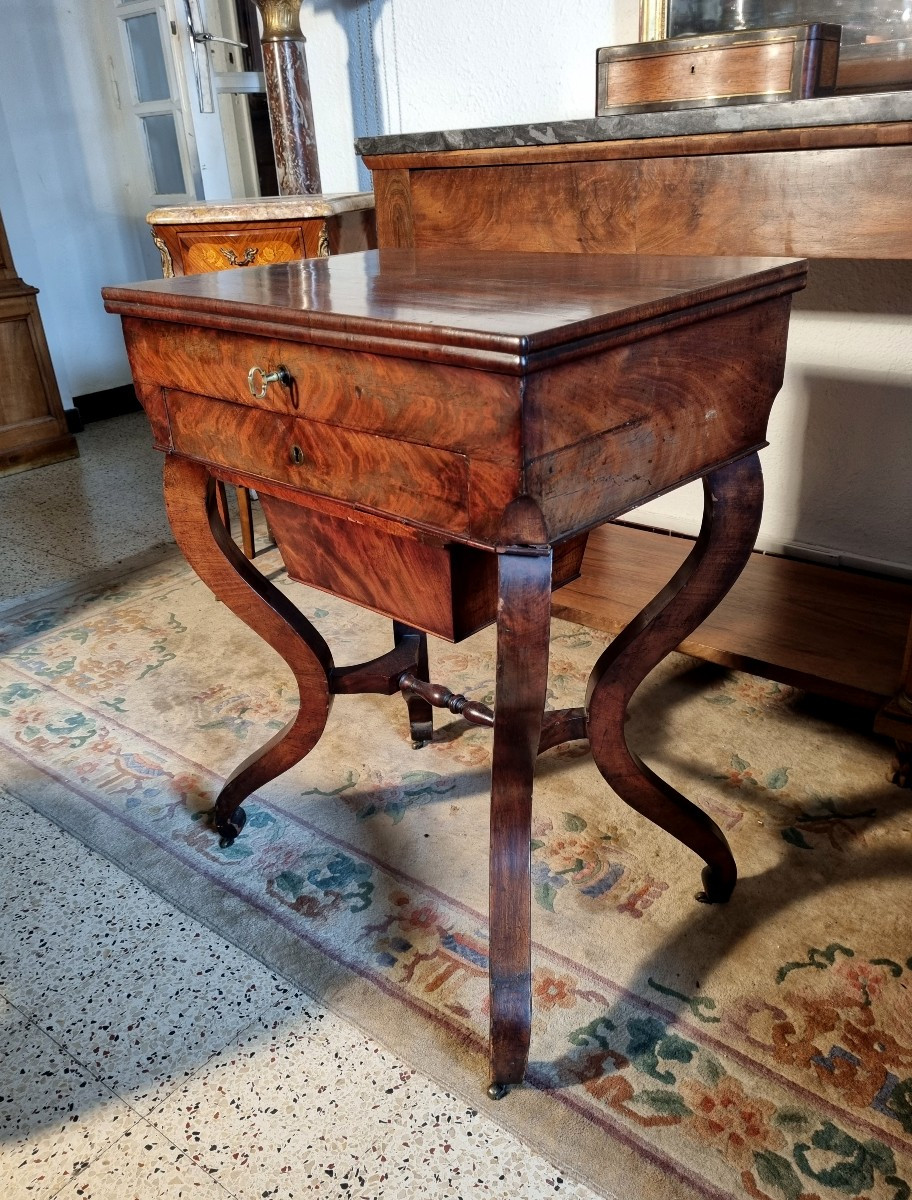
(220, 235)
(433, 435)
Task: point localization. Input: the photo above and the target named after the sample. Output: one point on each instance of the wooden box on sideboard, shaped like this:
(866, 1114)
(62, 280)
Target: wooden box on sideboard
(755, 65)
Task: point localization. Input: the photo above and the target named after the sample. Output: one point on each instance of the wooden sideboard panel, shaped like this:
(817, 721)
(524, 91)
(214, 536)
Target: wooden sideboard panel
(21, 373)
(350, 232)
(573, 207)
(817, 204)
(393, 196)
(814, 203)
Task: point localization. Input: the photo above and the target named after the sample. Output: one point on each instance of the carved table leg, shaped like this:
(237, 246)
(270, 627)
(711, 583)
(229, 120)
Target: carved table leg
(523, 629)
(245, 516)
(421, 714)
(731, 517)
(190, 499)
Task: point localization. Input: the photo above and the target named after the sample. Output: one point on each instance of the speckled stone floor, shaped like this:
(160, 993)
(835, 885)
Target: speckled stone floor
(143, 1056)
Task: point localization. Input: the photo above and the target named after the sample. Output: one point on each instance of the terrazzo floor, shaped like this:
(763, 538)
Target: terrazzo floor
(143, 1056)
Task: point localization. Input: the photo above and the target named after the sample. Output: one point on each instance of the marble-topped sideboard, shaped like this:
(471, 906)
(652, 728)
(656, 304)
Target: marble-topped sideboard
(822, 178)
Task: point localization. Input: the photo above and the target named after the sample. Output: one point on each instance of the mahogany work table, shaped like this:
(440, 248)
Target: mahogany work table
(432, 435)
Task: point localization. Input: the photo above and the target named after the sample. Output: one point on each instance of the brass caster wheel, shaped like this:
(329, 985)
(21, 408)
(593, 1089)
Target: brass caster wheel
(717, 885)
(229, 830)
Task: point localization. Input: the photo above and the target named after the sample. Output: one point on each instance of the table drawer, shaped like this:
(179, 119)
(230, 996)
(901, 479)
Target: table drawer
(419, 483)
(207, 250)
(436, 404)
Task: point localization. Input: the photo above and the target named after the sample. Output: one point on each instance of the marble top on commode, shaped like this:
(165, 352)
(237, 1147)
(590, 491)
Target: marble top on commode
(262, 208)
(733, 118)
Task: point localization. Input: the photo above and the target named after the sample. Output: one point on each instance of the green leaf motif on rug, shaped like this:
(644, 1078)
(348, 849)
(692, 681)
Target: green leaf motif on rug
(341, 878)
(596, 1033)
(860, 1162)
(666, 1104)
(544, 895)
(650, 1041)
(414, 790)
(818, 959)
(776, 1171)
(696, 1004)
(795, 838)
(899, 1103)
(15, 692)
(573, 823)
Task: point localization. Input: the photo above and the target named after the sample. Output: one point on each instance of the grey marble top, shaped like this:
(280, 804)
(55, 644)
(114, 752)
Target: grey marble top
(734, 118)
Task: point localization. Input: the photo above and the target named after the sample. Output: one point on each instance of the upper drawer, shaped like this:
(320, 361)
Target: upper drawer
(214, 249)
(418, 483)
(454, 408)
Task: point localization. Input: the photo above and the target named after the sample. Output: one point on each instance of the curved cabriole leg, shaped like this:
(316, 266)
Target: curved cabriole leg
(190, 499)
(523, 628)
(731, 516)
(420, 712)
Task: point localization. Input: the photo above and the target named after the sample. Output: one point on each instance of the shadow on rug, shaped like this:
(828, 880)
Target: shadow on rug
(762, 1048)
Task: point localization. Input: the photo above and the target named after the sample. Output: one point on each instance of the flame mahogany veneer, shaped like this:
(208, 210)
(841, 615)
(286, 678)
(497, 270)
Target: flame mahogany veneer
(448, 428)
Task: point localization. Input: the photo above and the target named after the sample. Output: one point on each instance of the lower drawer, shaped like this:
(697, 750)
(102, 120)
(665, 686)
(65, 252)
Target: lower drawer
(448, 590)
(403, 479)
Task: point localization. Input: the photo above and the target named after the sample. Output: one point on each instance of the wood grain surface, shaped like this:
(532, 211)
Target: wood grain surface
(512, 311)
(845, 203)
(205, 543)
(733, 505)
(697, 74)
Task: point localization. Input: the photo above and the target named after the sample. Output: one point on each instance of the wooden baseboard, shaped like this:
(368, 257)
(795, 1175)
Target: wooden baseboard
(112, 402)
(837, 633)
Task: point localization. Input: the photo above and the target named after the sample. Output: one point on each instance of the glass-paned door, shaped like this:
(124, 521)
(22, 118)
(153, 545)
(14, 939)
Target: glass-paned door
(155, 95)
(240, 84)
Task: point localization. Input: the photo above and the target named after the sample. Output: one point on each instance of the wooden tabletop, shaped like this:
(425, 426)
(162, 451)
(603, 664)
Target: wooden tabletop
(503, 308)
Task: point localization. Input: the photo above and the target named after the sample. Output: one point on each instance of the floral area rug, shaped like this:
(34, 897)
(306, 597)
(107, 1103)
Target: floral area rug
(762, 1048)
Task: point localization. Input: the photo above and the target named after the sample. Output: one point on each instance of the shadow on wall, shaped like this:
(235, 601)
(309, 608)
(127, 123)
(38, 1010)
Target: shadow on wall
(360, 21)
(855, 465)
(853, 488)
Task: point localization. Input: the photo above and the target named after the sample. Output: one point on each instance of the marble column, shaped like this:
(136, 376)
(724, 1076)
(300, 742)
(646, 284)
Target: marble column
(288, 95)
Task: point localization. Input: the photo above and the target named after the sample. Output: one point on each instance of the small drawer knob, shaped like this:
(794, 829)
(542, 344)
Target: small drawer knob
(258, 380)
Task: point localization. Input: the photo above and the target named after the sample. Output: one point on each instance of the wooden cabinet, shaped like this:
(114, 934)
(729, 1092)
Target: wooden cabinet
(33, 429)
(824, 190)
(194, 239)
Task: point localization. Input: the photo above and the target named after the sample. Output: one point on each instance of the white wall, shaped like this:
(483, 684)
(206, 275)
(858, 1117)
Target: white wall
(61, 191)
(838, 475)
